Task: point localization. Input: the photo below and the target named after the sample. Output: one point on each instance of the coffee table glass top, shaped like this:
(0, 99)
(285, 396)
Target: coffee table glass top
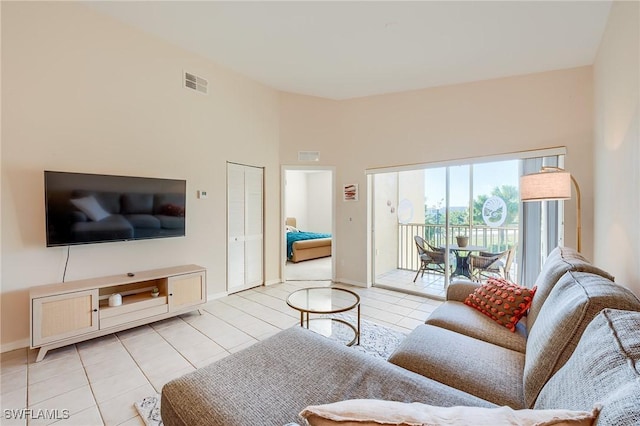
(323, 300)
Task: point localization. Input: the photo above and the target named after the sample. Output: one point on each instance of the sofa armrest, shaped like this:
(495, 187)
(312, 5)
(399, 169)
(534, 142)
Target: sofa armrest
(459, 290)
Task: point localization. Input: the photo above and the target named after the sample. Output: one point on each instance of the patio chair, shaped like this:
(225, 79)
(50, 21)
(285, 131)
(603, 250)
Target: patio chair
(485, 265)
(429, 259)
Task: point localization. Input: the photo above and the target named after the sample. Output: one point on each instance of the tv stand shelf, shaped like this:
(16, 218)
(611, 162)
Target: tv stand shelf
(71, 312)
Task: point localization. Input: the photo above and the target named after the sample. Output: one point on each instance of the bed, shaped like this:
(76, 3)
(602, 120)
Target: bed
(302, 245)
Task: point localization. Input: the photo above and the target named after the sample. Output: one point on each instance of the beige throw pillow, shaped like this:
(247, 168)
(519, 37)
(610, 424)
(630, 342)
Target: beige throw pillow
(362, 412)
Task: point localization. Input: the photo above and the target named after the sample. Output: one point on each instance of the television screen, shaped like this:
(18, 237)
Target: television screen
(86, 208)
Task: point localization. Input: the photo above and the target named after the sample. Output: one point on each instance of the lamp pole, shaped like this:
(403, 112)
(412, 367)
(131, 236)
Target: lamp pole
(578, 203)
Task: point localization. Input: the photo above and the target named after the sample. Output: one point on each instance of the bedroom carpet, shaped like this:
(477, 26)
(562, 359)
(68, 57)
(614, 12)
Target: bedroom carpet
(375, 340)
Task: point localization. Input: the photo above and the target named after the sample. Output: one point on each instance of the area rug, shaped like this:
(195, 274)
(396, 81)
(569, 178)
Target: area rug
(375, 340)
(149, 410)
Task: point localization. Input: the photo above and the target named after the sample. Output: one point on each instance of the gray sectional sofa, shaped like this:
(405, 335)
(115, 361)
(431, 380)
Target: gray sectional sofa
(578, 347)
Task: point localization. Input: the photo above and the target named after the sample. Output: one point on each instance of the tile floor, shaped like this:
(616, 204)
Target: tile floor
(99, 380)
(430, 284)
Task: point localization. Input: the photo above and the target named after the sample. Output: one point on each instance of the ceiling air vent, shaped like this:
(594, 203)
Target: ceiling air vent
(308, 156)
(199, 84)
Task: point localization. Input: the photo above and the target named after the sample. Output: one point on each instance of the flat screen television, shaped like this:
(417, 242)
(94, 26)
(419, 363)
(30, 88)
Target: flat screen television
(82, 208)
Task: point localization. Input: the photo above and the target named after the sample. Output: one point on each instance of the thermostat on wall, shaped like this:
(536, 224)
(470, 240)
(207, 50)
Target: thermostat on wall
(202, 194)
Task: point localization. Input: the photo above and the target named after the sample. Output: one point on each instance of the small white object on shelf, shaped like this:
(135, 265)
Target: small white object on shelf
(115, 299)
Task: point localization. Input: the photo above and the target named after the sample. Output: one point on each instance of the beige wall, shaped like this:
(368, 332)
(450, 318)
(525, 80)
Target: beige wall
(467, 120)
(617, 146)
(82, 92)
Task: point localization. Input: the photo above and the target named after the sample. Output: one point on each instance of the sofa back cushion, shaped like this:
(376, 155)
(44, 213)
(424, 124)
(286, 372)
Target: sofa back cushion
(559, 261)
(110, 201)
(604, 369)
(573, 302)
(133, 203)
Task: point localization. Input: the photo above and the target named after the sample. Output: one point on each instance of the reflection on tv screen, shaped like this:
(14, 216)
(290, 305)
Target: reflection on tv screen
(86, 208)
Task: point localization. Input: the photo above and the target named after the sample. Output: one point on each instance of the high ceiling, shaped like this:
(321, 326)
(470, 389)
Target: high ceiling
(341, 50)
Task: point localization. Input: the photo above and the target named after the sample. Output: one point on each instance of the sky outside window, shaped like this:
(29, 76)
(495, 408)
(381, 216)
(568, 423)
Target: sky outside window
(486, 177)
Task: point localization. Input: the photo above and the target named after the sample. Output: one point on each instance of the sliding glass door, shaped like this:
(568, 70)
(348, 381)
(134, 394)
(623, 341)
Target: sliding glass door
(478, 202)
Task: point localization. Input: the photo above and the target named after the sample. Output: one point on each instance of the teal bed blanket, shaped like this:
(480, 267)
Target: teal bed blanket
(292, 237)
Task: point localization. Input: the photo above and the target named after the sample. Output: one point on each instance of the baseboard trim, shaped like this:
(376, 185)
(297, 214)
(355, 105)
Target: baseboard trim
(12, 346)
(217, 296)
(272, 282)
(350, 282)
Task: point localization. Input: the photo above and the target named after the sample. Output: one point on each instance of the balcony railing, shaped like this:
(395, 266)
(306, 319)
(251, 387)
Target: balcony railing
(494, 239)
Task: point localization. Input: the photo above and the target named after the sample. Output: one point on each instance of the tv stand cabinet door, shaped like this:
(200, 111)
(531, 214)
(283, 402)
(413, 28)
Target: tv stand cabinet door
(63, 316)
(187, 290)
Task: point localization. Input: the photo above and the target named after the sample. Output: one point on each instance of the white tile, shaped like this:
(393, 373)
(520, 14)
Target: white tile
(14, 400)
(54, 354)
(118, 383)
(98, 355)
(44, 370)
(159, 381)
(409, 323)
(57, 385)
(164, 365)
(202, 351)
(169, 322)
(73, 402)
(12, 381)
(134, 421)
(134, 332)
(119, 362)
(121, 408)
(89, 417)
(97, 343)
(13, 365)
(205, 362)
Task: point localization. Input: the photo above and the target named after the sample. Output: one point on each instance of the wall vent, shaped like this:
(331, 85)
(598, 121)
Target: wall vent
(193, 82)
(308, 155)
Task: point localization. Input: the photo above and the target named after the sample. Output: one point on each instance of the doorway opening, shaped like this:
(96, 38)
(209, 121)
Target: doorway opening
(308, 223)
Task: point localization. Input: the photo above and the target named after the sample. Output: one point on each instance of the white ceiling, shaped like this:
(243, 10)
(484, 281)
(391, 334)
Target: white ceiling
(341, 50)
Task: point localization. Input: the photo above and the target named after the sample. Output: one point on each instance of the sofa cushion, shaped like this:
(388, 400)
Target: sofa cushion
(604, 369)
(273, 380)
(143, 221)
(135, 203)
(471, 365)
(559, 261)
(459, 290)
(110, 201)
(161, 201)
(456, 316)
(90, 207)
(373, 412)
(573, 302)
(111, 228)
(502, 301)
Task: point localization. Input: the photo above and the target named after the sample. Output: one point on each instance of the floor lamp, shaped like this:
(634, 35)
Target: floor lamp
(552, 183)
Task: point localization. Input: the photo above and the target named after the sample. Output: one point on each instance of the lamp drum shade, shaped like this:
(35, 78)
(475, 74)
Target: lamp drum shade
(545, 186)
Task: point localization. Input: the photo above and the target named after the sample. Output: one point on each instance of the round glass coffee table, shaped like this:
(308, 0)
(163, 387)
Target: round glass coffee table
(327, 300)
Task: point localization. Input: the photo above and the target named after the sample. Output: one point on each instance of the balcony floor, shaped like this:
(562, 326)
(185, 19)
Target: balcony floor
(430, 285)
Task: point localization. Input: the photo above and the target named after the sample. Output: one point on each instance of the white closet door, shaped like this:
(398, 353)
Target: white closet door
(244, 227)
(253, 226)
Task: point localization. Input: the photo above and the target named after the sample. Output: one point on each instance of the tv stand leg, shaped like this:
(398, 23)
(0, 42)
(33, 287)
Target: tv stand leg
(200, 312)
(41, 353)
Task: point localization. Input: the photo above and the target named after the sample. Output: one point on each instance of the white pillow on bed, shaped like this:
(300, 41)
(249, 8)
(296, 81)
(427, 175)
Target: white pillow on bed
(292, 229)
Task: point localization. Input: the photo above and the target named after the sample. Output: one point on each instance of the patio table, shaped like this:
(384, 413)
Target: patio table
(462, 258)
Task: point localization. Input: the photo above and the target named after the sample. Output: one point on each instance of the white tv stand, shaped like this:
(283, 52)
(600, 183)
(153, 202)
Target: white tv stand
(71, 312)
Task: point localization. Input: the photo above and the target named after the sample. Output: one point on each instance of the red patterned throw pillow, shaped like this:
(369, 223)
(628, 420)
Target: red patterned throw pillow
(503, 301)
